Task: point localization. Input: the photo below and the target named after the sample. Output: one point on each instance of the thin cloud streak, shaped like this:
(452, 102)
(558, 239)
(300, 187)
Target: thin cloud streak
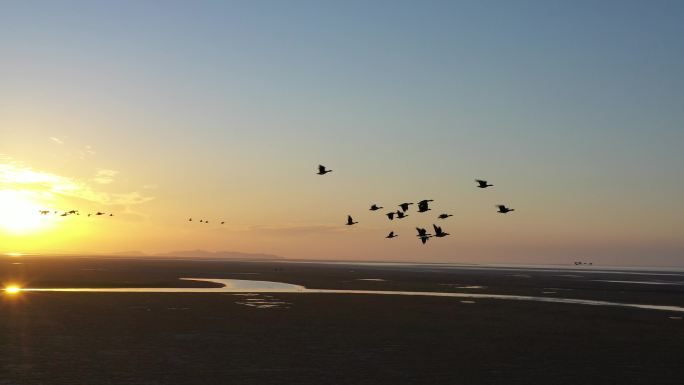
(105, 176)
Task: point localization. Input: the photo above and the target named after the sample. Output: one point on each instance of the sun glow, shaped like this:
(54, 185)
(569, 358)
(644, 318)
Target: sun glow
(12, 289)
(19, 213)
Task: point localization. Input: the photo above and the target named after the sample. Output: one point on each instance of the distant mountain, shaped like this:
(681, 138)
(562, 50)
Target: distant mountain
(217, 254)
(133, 253)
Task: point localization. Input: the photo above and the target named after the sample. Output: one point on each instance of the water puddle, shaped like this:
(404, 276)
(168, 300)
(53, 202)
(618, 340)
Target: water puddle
(641, 282)
(265, 304)
(260, 301)
(459, 286)
(256, 288)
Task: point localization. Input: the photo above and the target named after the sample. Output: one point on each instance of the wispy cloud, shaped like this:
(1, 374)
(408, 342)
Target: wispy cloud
(57, 140)
(105, 176)
(15, 175)
(86, 151)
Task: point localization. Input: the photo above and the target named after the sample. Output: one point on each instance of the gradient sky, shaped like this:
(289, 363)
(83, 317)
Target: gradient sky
(160, 111)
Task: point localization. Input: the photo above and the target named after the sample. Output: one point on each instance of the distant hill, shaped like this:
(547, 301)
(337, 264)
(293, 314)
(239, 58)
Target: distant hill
(133, 253)
(216, 254)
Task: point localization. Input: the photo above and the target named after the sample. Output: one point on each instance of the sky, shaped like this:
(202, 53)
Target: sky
(158, 112)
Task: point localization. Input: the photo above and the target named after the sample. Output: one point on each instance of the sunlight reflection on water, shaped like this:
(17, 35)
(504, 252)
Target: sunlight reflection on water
(243, 286)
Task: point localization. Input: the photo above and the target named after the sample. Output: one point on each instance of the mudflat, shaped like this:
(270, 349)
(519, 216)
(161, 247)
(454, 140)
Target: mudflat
(277, 338)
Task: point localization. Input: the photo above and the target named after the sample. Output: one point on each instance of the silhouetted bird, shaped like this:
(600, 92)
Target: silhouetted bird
(111, 215)
(375, 207)
(350, 221)
(390, 215)
(422, 232)
(322, 170)
(206, 221)
(444, 216)
(438, 232)
(404, 206)
(190, 220)
(400, 214)
(391, 235)
(99, 213)
(423, 207)
(503, 209)
(482, 183)
(223, 222)
(425, 238)
(44, 212)
(201, 220)
(425, 201)
(89, 214)
(64, 215)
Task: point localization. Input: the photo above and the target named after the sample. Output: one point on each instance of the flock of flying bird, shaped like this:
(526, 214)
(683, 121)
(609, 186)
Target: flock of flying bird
(71, 212)
(205, 221)
(423, 206)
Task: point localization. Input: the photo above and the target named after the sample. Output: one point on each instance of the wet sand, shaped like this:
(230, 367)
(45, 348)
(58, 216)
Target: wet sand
(179, 338)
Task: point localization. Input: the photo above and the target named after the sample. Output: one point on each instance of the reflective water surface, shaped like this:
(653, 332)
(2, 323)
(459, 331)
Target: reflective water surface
(248, 286)
(227, 286)
(640, 282)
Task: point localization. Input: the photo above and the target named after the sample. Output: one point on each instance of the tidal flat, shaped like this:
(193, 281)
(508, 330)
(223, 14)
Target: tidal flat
(285, 337)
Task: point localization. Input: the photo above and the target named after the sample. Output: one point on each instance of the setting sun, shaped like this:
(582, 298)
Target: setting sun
(20, 214)
(13, 289)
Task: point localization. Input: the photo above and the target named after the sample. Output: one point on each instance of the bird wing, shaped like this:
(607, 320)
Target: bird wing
(437, 229)
(349, 219)
(321, 168)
